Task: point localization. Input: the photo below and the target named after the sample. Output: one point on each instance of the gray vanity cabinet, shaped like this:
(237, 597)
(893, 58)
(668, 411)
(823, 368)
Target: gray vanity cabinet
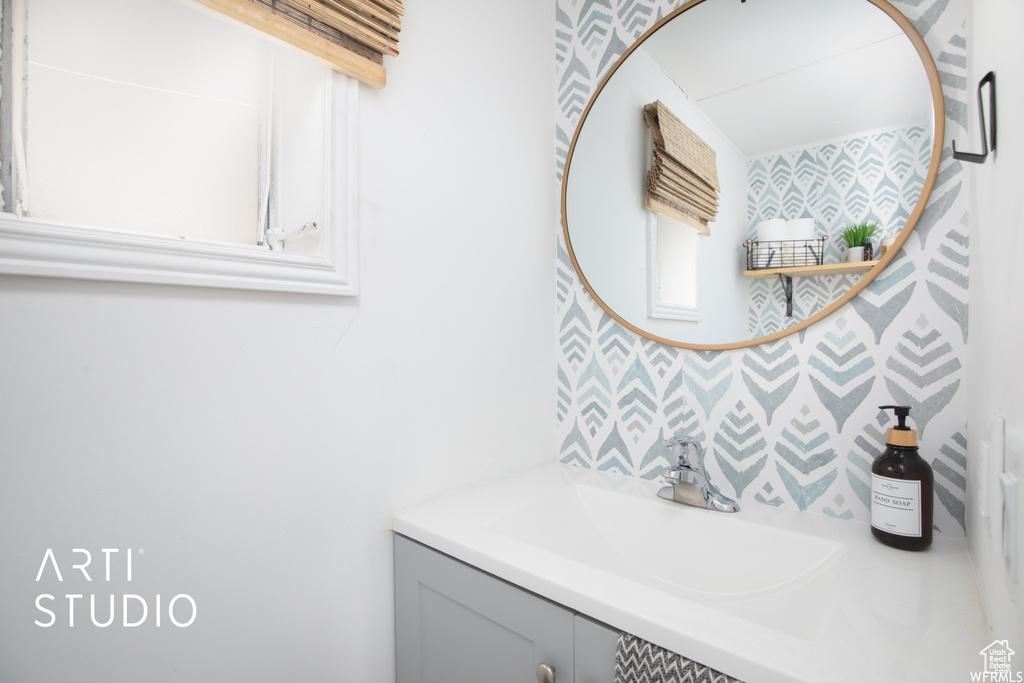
(457, 624)
(595, 651)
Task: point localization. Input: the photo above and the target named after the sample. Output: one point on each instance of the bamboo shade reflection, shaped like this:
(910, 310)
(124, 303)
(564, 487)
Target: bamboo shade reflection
(350, 36)
(683, 181)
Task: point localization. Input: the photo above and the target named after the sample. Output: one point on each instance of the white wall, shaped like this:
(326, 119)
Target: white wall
(251, 447)
(996, 327)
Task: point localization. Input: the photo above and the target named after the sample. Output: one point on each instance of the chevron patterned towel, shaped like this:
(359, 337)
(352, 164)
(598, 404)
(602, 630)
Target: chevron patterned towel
(638, 661)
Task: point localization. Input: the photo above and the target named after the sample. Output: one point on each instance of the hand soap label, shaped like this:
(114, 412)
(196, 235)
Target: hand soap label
(896, 505)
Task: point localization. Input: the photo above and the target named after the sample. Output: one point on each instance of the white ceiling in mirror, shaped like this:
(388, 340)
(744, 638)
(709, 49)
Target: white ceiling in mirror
(785, 55)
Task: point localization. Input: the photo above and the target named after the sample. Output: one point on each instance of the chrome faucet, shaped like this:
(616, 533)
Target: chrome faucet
(688, 481)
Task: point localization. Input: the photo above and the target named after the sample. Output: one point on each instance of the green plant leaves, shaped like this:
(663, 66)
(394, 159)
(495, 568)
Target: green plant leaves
(858, 235)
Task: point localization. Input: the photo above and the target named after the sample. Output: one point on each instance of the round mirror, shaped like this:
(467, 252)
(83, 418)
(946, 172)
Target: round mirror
(819, 116)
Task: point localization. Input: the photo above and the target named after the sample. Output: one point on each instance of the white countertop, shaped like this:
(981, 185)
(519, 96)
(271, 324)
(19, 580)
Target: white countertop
(720, 588)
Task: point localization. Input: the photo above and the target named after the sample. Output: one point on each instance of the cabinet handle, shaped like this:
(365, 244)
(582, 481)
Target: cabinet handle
(545, 673)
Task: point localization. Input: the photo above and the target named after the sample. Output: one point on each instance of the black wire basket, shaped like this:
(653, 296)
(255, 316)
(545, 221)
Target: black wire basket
(785, 253)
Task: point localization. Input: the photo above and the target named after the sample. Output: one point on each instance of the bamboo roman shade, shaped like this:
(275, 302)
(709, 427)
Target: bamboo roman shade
(350, 36)
(683, 181)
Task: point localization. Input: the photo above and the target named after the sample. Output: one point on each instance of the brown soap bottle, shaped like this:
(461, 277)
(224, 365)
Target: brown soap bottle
(901, 489)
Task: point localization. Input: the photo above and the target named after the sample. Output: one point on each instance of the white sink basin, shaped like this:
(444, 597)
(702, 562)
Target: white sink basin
(668, 545)
(767, 595)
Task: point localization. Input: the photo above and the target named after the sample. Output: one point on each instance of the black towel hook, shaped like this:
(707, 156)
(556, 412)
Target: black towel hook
(989, 78)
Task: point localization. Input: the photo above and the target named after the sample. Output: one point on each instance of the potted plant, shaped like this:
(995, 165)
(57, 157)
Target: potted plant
(856, 236)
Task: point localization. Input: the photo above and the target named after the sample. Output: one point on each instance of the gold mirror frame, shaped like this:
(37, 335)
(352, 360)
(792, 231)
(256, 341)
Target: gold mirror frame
(938, 137)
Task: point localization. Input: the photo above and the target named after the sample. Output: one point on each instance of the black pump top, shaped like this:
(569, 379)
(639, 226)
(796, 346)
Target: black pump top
(902, 412)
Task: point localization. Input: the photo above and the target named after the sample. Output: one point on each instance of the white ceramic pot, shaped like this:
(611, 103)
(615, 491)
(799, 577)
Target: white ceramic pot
(854, 254)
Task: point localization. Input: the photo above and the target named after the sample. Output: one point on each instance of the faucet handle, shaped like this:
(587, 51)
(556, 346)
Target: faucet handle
(684, 452)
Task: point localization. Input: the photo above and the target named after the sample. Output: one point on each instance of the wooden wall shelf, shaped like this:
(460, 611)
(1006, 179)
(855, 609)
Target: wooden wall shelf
(808, 271)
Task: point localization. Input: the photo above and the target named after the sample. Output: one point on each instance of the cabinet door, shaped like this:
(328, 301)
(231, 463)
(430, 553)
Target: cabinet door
(457, 624)
(595, 646)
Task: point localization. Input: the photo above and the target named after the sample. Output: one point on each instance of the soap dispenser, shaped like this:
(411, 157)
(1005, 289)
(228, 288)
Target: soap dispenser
(901, 489)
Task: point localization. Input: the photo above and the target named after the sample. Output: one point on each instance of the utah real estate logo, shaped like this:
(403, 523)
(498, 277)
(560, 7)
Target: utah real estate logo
(998, 667)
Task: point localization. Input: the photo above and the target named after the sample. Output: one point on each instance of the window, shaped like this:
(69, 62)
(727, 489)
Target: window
(155, 142)
(673, 244)
(672, 271)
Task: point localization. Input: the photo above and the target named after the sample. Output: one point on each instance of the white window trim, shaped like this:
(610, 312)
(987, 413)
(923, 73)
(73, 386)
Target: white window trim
(656, 308)
(43, 248)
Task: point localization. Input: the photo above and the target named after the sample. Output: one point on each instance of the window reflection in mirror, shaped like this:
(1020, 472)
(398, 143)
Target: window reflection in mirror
(674, 291)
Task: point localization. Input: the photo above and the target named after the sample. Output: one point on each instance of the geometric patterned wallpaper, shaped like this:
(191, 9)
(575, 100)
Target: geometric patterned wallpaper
(793, 423)
(876, 177)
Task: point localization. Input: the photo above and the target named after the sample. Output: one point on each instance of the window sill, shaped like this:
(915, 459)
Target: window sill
(39, 248)
(666, 311)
